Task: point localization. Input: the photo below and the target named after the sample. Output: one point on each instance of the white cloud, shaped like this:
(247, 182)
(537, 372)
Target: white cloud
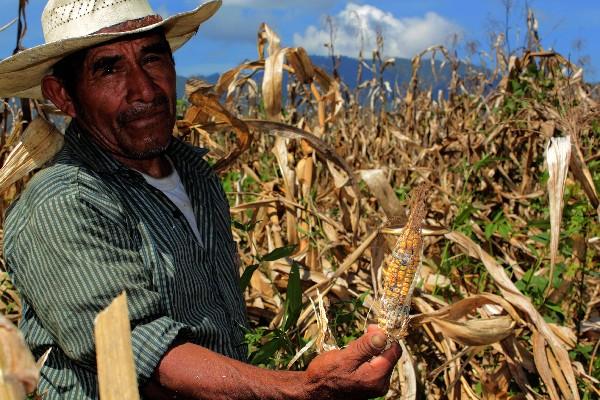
(239, 20)
(403, 37)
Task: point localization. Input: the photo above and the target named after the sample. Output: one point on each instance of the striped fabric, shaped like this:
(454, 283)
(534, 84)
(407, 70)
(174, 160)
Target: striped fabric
(87, 228)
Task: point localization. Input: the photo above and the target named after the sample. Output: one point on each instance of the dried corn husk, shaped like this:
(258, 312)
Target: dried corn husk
(18, 372)
(39, 143)
(114, 355)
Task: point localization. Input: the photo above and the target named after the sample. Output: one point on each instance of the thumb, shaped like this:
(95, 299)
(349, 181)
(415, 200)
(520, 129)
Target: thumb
(369, 345)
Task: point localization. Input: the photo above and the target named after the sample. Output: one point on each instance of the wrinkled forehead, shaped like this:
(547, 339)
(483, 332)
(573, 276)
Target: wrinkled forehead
(81, 58)
(154, 35)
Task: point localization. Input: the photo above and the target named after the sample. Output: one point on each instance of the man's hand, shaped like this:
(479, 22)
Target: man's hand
(360, 371)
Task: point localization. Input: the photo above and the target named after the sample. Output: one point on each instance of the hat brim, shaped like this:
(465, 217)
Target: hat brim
(22, 73)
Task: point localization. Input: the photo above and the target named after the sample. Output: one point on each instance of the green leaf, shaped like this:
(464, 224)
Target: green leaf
(556, 308)
(464, 214)
(262, 355)
(244, 227)
(293, 298)
(489, 230)
(238, 225)
(543, 238)
(402, 192)
(505, 229)
(558, 276)
(538, 283)
(515, 85)
(279, 252)
(485, 161)
(245, 279)
(253, 337)
(510, 105)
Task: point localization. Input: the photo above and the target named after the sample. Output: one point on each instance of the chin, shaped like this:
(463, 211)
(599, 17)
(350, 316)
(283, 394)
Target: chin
(151, 148)
(149, 154)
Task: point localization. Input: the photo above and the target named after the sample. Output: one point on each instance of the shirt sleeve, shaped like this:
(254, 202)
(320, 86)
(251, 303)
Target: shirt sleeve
(77, 253)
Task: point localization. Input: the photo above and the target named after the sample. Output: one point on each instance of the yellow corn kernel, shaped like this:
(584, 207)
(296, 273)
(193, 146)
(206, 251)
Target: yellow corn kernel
(401, 270)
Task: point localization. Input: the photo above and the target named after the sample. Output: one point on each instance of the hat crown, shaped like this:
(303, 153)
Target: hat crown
(64, 19)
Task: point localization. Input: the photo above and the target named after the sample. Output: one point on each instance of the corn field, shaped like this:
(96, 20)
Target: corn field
(507, 301)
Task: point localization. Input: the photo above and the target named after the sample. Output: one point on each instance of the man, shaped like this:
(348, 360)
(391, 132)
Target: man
(125, 206)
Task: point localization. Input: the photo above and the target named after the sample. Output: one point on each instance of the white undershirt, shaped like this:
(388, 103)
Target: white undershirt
(172, 187)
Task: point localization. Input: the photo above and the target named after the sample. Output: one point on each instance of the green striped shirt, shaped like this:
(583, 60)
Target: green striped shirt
(87, 228)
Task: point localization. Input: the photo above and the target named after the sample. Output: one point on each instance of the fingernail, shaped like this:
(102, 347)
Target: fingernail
(378, 341)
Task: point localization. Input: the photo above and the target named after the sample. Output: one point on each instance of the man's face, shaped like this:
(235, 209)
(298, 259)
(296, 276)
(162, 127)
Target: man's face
(125, 96)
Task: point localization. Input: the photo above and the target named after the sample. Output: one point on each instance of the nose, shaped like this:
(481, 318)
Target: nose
(140, 86)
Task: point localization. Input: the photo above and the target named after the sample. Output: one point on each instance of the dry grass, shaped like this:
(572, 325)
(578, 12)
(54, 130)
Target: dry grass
(497, 312)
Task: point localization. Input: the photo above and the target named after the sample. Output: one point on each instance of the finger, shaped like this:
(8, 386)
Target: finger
(380, 368)
(387, 359)
(364, 348)
(378, 371)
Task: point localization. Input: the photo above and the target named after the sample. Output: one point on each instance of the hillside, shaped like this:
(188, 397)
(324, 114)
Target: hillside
(399, 73)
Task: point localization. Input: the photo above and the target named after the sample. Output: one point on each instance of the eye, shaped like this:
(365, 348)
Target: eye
(151, 58)
(108, 70)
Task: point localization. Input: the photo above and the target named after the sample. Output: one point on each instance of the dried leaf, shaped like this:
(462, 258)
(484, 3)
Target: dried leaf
(541, 363)
(325, 340)
(206, 108)
(273, 73)
(289, 178)
(272, 84)
(321, 147)
(302, 65)
(227, 80)
(407, 372)
(39, 144)
(558, 154)
(19, 374)
(475, 332)
(378, 184)
(435, 281)
(518, 300)
(582, 173)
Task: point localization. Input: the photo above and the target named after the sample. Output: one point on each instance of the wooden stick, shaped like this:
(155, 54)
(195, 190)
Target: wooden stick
(114, 355)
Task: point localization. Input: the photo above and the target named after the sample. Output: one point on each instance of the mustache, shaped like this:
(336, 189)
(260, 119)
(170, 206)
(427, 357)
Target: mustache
(141, 110)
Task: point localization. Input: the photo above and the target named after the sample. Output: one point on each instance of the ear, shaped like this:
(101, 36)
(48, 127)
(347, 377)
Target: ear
(54, 90)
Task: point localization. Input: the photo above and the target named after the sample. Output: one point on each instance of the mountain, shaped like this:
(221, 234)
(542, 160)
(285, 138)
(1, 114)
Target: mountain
(399, 73)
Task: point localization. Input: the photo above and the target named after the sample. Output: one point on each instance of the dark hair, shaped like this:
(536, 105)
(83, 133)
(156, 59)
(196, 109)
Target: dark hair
(69, 69)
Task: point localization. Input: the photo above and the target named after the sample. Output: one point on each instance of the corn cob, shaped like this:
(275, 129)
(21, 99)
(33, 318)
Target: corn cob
(401, 269)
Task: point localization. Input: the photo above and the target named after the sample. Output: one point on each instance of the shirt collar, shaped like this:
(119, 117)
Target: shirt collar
(185, 156)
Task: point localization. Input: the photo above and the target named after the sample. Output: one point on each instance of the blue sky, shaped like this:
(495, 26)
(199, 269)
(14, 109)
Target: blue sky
(408, 26)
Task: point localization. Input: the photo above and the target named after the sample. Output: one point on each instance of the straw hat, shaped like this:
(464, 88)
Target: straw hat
(72, 25)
